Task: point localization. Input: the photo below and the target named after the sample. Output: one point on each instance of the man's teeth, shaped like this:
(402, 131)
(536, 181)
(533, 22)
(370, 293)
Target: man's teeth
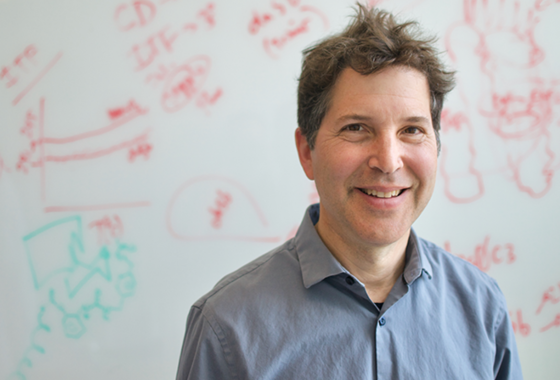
(380, 194)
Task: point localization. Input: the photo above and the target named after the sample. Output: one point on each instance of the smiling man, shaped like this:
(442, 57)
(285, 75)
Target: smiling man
(356, 294)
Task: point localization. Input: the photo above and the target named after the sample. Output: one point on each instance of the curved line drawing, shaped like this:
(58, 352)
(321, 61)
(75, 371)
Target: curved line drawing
(235, 184)
(184, 82)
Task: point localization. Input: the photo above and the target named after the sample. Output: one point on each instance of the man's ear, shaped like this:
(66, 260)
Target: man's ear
(304, 153)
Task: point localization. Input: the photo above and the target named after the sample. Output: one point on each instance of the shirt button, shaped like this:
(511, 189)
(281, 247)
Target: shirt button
(382, 321)
(350, 280)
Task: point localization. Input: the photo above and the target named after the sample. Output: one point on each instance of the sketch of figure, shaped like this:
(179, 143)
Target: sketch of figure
(510, 100)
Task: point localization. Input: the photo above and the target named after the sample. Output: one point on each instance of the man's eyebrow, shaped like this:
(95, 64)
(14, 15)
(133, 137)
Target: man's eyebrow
(354, 116)
(358, 117)
(418, 119)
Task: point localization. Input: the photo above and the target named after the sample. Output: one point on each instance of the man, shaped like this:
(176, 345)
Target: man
(356, 294)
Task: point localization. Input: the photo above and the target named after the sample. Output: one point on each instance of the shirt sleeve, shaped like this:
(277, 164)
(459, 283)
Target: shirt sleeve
(506, 364)
(202, 356)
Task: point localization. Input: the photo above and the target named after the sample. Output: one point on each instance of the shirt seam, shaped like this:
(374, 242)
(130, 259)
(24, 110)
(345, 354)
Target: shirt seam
(223, 341)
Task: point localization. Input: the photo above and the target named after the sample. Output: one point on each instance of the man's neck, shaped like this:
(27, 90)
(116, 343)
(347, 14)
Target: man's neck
(377, 267)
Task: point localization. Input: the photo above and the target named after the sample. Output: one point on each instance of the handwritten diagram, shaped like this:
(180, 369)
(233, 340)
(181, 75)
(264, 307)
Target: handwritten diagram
(510, 99)
(179, 82)
(121, 135)
(216, 208)
(80, 283)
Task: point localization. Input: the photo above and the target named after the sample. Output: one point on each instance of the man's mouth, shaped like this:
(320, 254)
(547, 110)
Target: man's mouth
(380, 194)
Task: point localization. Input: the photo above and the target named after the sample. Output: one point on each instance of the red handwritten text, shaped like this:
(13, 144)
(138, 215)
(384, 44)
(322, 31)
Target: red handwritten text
(222, 202)
(135, 14)
(554, 323)
(484, 257)
(518, 325)
(291, 17)
(548, 297)
(108, 229)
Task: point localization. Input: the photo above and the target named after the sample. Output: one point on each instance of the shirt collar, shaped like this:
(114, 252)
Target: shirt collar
(315, 259)
(318, 263)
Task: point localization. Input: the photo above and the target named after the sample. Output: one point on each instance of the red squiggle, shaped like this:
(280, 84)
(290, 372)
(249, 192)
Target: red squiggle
(184, 83)
(96, 154)
(98, 132)
(37, 79)
(186, 237)
(554, 323)
(519, 326)
(459, 122)
(548, 296)
(516, 103)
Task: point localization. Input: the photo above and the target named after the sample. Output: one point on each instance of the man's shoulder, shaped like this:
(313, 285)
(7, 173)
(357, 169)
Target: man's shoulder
(455, 272)
(259, 278)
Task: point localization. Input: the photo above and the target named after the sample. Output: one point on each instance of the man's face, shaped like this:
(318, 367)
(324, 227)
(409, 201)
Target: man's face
(375, 156)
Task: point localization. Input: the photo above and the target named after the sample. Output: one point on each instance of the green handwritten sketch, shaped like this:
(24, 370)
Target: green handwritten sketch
(38, 245)
(78, 283)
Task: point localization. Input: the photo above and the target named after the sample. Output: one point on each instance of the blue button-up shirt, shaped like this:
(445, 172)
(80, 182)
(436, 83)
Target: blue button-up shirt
(297, 313)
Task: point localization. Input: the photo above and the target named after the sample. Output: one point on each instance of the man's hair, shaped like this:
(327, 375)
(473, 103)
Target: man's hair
(373, 41)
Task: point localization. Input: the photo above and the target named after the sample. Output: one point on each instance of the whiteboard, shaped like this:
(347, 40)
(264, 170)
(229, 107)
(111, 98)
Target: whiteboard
(146, 150)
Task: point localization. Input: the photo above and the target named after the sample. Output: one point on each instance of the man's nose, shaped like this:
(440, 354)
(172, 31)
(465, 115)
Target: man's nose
(385, 154)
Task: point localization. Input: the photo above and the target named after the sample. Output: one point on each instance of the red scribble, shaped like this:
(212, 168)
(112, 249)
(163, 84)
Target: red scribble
(317, 12)
(19, 63)
(291, 14)
(141, 139)
(222, 202)
(541, 5)
(190, 26)
(108, 229)
(554, 323)
(484, 257)
(547, 297)
(519, 326)
(205, 99)
(515, 102)
(5, 74)
(279, 42)
(187, 237)
(143, 149)
(147, 52)
(108, 206)
(207, 14)
(459, 123)
(258, 21)
(184, 83)
(30, 123)
(30, 86)
(98, 132)
(131, 107)
(138, 14)
(161, 74)
(279, 7)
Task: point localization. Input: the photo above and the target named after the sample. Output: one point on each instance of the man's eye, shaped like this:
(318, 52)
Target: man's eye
(412, 130)
(353, 127)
